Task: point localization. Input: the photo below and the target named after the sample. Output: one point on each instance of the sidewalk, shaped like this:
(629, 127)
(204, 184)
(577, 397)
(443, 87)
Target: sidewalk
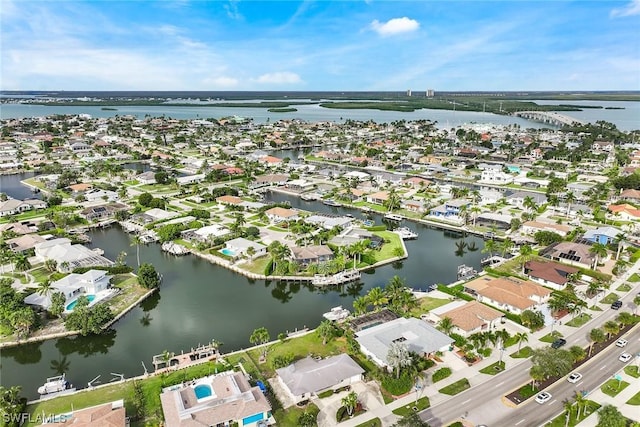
(473, 375)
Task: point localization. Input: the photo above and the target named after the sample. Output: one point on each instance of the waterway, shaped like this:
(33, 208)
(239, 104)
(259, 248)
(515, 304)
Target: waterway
(199, 301)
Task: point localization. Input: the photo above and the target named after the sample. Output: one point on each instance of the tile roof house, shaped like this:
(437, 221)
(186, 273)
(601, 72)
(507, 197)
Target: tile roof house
(630, 194)
(279, 214)
(378, 198)
(216, 400)
(416, 334)
(228, 200)
(551, 274)
(469, 317)
(107, 415)
(309, 377)
(578, 254)
(306, 255)
(532, 227)
(624, 212)
(510, 294)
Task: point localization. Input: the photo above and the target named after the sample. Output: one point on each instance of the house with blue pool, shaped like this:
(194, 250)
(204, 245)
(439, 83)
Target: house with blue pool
(217, 400)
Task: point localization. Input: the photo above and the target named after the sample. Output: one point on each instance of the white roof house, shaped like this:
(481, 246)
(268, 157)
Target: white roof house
(69, 256)
(416, 334)
(72, 286)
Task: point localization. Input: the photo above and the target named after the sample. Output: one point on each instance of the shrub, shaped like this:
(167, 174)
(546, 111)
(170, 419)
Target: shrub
(398, 386)
(440, 374)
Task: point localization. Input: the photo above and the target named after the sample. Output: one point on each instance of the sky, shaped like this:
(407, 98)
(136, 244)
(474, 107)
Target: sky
(322, 45)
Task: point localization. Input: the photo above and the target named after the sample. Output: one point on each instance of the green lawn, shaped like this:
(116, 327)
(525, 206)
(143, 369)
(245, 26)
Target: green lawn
(130, 292)
(635, 400)
(551, 337)
(257, 265)
(455, 388)
(387, 249)
(634, 278)
(523, 353)
(274, 228)
(610, 299)
(40, 274)
(578, 321)
(613, 387)
(624, 287)
(421, 404)
(595, 308)
(371, 423)
(632, 371)
(426, 304)
(493, 369)
(574, 418)
(291, 415)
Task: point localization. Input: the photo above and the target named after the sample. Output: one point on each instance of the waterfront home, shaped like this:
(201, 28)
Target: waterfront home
(270, 161)
(24, 243)
(630, 194)
(532, 227)
(147, 178)
(73, 286)
(102, 212)
(495, 176)
(551, 274)
(206, 234)
(305, 255)
(329, 222)
(577, 254)
(450, 209)
(623, 212)
(217, 400)
(309, 377)
(489, 196)
(279, 214)
(268, 180)
(508, 294)
(68, 256)
(517, 199)
(299, 185)
(352, 235)
(416, 182)
(417, 335)
(468, 317)
(240, 246)
(378, 198)
(490, 219)
(604, 235)
(110, 414)
(413, 205)
(152, 215)
(15, 206)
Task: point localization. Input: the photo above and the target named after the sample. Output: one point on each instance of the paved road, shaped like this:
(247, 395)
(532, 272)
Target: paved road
(483, 404)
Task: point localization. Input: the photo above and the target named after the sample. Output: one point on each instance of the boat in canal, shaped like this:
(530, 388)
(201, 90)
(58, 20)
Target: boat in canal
(331, 202)
(337, 313)
(393, 217)
(406, 233)
(466, 272)
(53, 385)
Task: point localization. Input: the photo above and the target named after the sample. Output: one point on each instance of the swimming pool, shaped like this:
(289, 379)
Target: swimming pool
(228, 252)
(73, 303)
(202, 391)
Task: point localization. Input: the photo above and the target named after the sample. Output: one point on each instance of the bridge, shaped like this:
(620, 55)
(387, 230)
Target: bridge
(550, 117)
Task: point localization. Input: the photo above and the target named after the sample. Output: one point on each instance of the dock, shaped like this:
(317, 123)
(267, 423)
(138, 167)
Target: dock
(200, 354)
(336, 279)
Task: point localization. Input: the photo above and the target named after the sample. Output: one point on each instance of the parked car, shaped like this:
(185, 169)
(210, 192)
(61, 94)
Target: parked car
(616, 305)
(558, 343)
(624, 357)
(574, 377)
(543, 397)
(621, 342)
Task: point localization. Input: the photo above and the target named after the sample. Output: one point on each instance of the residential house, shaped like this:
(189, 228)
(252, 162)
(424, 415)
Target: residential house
(217, 400)
(148, 177)
(309, 377)
(517, 199)
(413, 205)
(329, 222)
(378, 198)
(630, 195)
(624, 212)
(15, 206)
(508, 294)
(305, 255)
(490, 219)
(419, 337)
(468, 317)
(532, 227)
(495, 176)
(450, 208)
(578, 254)
(206, 234)
(279, 214)
(25, 242)
(299, 185)
(112, 414)
(229, 200)
(579, 189)
(352, 235)
(604, 235)
(269, 180)
(551, 274)
(240, 246)
(68, 256)
(98, 195)
(600, 146)
(102, 212)
(73, 286)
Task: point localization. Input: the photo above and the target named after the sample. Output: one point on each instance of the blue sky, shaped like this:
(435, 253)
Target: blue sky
(320, 45)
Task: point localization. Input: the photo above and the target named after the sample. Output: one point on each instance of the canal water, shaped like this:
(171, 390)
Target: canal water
(199, 301)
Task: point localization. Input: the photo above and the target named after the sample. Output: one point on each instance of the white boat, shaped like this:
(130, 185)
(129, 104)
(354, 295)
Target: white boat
(406, 233)
(54, 385)
(337, 313)
(309, 196)
(393, 217)
(330, 202)
(336, 279)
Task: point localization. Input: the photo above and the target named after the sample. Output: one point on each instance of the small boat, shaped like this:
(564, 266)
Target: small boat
(54, 385)
(393, 217)
(406, 233)
(330, 202)
(465, 272)
(309, 196)
(336, 313)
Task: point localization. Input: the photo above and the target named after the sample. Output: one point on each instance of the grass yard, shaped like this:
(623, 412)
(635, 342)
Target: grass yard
(455, 388)
(634, 278)
(610, 299)
(493, 369)
(387, 249)
(635, 399)
(40, 274)
(371, 423)
(574, 417)
(257, 265)
(426, 304)
(422, 404)
(291, 415)
(523, 353)
(632, 371)
(578, 321)
(551, 337)
(613, 387)
(624, 287)
(130, 292)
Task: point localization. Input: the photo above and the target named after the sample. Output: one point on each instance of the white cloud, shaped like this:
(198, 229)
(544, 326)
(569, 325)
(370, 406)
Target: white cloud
(631, 9)
(395, 26)
(232, 10)
(282, 77)
(221, 82)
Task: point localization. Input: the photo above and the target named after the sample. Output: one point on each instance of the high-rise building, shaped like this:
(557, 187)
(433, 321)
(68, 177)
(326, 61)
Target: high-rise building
(408, 92)
(430, 93)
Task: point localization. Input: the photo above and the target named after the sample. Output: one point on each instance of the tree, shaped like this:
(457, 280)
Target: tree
(520, 338)
(148, 277)
(578, 353)
(599, 251)
(376, 297)
(360, 305)
(11, 405)
(490, 246)
(51, 265)
(411, 420)
(393, 200)
(44, 288)
(581, 402)
(569, 198)
(350, 401)
(136, 241)
(22, 320)
(57, 304)
(532, 319)
(88, 320)
(611, 327)
(567, 404)
(526, 252)
(145, 199)
(23, 264)
(625, 318)
(596, 335)
(260, 336)
(307, 419)
(398, 357)
(552, 362)
(610, 416)
(326, 331)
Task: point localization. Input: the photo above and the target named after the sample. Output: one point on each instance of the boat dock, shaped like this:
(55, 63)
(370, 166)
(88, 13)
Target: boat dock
(200, 354)
(336, 279)
(175, 249)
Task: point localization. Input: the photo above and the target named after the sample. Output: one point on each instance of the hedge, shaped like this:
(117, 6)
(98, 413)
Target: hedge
(440, 374)
(116, 269)
(376, 228)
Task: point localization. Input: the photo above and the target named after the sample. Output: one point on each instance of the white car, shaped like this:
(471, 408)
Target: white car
(624, 357)
(621, 342)
(543, 397)
(574, 378)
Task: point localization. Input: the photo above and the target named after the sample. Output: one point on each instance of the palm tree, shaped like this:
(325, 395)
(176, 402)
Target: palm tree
(595, 336)
(568, 407)
(350, 401)
(611, 327)
(569, 198)
(599, 251)
(136, 241)
(581, 402)
(521, 337)
(506, 246)
(360, 305)
(445, 325)
(489, 246)
(23, 264)
(526, 252)
(537, 374)
(393, 200)
(636, 303)
(398, 357)
(260, 336)
(44, 288)
(325, 330)
(377, 297)
(51, 265)
(529, 204)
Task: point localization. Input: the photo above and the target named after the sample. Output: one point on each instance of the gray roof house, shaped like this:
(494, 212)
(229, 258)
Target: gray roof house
(416, 334)
(304, 378)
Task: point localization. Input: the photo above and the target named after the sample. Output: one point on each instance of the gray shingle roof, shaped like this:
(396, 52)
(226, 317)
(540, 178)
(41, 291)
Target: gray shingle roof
(310, 375)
